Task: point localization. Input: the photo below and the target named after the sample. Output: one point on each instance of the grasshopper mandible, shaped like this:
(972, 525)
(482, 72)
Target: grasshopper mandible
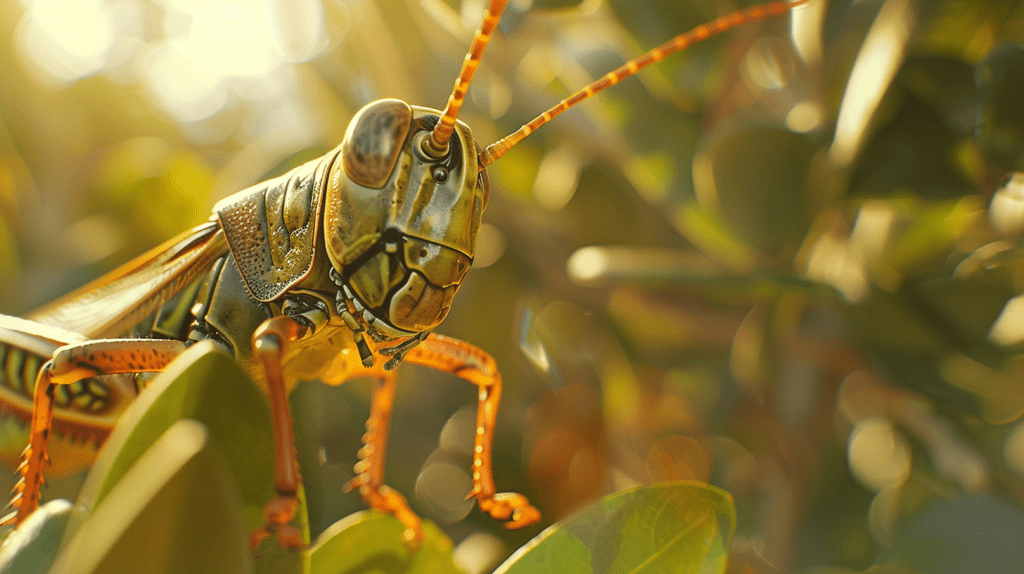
(338, 269)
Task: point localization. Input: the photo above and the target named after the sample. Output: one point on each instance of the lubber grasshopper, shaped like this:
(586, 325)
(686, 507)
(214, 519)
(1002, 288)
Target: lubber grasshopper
(338, 269)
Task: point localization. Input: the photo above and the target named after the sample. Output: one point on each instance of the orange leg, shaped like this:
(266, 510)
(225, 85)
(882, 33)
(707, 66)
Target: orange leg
(370, 468)
(70, 364)
(269, 343)
(476, 366)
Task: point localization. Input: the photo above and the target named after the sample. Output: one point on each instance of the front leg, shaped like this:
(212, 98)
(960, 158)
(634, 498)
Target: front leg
(476, 366)
(268, 343)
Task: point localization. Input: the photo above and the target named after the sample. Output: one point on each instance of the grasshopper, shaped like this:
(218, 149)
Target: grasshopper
(341, 268)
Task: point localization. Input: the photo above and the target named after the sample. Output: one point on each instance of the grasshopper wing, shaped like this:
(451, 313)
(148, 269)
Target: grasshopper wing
(115, 303)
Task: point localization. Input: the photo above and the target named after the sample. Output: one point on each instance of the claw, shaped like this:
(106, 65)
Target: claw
(281, 509)
(354, 484)
(256, 537)
(278, 513)
(385, 499)
(290, 538)
(510, 506)
(412, 539)
(524, 516)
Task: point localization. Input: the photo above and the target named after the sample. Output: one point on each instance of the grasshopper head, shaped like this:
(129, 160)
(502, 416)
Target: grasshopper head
(400, 226)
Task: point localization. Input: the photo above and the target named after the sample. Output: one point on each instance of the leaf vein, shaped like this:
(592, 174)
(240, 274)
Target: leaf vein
(682, 533)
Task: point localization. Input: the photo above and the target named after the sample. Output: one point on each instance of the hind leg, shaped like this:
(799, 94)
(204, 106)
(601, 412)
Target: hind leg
(70, 364)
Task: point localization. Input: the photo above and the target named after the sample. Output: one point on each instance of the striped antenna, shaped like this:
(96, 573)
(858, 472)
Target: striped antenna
(680, 42)
(437, 144)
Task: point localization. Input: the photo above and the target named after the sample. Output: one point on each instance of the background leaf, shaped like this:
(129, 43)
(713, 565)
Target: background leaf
(677, 527)
(967, 534)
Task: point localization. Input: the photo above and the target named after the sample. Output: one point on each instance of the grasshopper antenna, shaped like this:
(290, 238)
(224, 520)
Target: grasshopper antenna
(437, 144)
(680, 42)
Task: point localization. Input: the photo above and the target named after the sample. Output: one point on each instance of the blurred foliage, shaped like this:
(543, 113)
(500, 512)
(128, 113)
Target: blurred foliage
(785, 264)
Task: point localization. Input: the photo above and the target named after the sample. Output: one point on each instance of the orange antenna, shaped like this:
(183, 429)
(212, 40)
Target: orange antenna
(684, 40)
(437, 144)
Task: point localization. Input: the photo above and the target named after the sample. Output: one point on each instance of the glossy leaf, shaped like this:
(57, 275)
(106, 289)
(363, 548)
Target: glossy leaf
(175, 511)
(670, 527)
(29, 550)
(207, 386)
(372, 542)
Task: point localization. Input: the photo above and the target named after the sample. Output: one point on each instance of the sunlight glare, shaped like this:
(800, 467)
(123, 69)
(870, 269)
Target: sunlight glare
(299, 28)
(588, 264)
(229, 37)
(878, 454)
(879, 58)
(1008, 328)
(67, 40)
(832, 261)
(215, 50)
(1006, 211)
(188, 92)
(805, 116)
(558, 175)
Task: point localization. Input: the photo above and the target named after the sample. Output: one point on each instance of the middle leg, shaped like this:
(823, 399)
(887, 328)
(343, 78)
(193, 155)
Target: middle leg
(370, 468)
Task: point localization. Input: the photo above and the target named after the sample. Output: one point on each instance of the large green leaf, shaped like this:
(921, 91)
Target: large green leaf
(175, 511)
(766, 204)
(670, 527)
(207, 386)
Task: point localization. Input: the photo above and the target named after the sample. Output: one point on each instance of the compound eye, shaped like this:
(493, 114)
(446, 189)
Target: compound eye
(374, 141)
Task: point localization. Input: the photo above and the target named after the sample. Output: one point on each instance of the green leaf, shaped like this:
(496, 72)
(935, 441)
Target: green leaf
(766, 203)
(29, 549)
(372, 542)
(670, 527)
(206, 385)
(175, 511)
(967, 534)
